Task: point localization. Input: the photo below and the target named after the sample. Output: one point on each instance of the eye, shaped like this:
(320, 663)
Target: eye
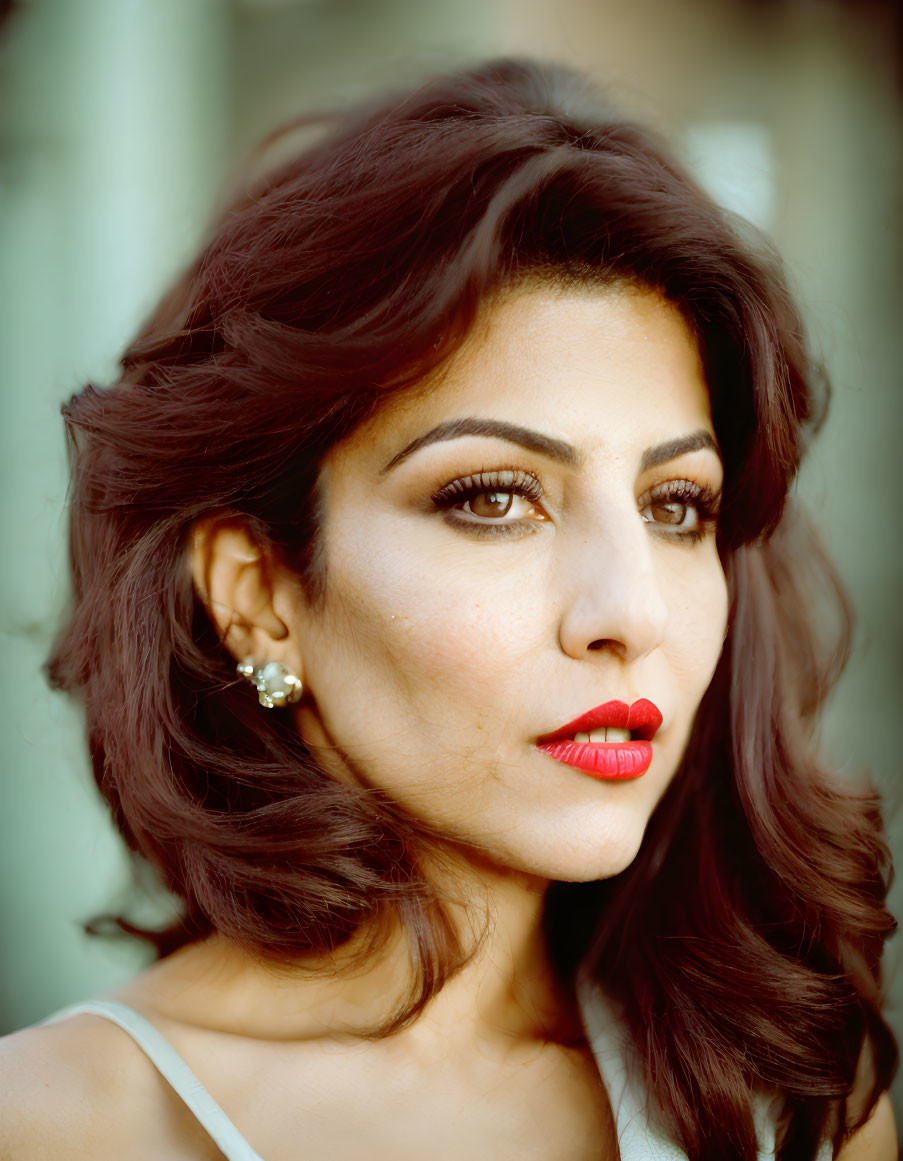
(673, 512)
(505, 500)
(491, 505)
(680, 509)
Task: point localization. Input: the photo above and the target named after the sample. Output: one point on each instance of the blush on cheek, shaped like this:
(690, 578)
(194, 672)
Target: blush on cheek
(456, 659)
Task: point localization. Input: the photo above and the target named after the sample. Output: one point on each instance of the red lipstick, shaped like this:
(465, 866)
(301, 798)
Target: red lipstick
(612, 761)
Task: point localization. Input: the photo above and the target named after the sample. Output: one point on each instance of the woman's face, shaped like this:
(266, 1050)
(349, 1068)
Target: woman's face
(505, 551)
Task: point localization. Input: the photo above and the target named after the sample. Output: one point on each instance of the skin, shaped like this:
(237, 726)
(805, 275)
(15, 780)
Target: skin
(440, 653)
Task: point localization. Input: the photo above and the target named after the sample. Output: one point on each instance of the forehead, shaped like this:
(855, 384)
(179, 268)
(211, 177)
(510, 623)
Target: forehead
(609, 368)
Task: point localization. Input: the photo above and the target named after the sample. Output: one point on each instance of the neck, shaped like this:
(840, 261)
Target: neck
(507, 991)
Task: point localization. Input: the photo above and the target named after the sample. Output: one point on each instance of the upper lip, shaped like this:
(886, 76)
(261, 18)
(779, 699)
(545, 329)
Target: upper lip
(643, 717)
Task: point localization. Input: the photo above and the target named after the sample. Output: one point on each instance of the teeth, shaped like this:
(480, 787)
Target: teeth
(609, 734)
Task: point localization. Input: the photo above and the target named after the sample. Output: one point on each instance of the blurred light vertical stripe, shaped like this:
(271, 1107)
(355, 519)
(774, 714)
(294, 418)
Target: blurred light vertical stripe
(115, 121)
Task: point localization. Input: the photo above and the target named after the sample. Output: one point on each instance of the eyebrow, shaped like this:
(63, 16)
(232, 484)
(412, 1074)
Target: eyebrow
(663, 452)
(554, 449)
(546, 445)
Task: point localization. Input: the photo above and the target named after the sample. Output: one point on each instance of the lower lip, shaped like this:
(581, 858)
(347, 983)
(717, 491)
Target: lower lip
(613, 761)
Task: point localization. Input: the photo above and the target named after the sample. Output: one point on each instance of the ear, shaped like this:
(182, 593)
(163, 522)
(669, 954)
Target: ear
(239, 580)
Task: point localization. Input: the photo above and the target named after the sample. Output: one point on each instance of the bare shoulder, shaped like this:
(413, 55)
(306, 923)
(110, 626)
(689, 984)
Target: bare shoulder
(81, 1088)
(877, 1139)
(51, 1080)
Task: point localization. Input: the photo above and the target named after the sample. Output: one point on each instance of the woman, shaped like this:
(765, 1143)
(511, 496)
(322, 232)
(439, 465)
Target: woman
(449, 646)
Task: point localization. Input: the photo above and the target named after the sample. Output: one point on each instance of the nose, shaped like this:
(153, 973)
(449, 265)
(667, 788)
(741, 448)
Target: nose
(613, 593)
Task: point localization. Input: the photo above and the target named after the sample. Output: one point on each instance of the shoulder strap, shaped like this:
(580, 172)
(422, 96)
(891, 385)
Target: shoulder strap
(603, 1024)
(606, 1033)
(173, 1068)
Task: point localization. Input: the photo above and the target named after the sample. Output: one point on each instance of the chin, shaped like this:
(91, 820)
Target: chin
(588, 871)
(581, 858)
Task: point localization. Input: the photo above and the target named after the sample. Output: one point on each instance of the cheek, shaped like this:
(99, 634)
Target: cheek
(699, 625)
(435, 637)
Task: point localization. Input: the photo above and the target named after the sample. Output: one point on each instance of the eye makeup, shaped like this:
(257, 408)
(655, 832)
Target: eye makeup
(680, 510)
(498, 488)
(675, 495)
(515, 481)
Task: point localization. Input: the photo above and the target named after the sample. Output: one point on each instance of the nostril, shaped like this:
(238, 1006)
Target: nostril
(603, 643)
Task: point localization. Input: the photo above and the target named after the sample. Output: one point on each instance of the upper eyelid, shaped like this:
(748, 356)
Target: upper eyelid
(530, 474)
(670, 454)
(706, 501)
(704, 489)
(469, 482)
(447, 498)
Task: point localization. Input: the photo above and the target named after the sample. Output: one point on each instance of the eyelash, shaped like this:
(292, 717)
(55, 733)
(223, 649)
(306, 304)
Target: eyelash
(704, 499)
(517, 482)
(509, 481)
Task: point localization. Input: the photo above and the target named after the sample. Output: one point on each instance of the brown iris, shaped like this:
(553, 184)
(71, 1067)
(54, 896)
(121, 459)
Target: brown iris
(673, 512)
(490, 504)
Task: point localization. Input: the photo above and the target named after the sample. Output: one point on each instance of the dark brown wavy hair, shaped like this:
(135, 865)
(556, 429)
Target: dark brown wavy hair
(744, 941)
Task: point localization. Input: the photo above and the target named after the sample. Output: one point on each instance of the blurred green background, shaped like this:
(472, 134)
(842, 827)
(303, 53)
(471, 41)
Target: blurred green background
(119, 122)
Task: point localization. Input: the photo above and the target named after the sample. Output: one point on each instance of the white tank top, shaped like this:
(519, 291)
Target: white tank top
(638, 1140)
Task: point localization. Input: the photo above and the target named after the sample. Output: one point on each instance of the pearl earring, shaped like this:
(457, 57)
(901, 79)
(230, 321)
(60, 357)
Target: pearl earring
(275, 684)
